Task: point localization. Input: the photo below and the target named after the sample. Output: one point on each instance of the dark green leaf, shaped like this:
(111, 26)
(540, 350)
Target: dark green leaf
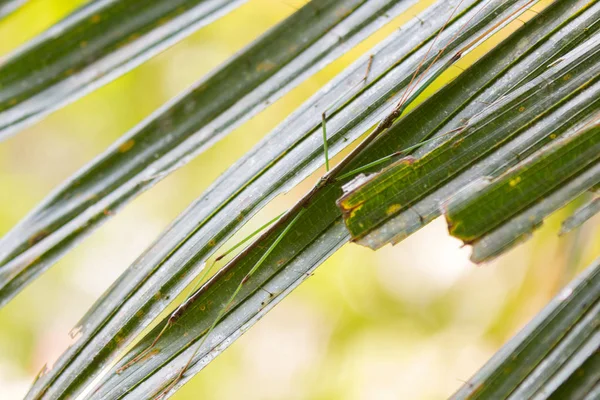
(495, 202)
(554, 356)
(513, 127)
(519, 228)
(213, 107)
(92, 46)
(584, 383)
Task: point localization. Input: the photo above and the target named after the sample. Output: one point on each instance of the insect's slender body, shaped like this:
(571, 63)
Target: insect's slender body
(194, 294)
(229, 302)
(328, 178)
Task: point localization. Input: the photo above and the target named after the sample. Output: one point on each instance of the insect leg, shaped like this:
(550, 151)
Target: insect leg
(229, 302)
(192, 297)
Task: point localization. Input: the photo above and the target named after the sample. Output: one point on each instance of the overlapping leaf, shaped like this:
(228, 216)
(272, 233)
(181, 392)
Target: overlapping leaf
(554, 357)
(381, 208)
(492, 215)
(316, 234)
(581, 215)
(213, 107)
(289, 154)
(98, 42)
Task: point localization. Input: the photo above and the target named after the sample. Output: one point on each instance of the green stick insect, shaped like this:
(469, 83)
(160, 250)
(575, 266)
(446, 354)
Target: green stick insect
(412, 91)
(175, 315)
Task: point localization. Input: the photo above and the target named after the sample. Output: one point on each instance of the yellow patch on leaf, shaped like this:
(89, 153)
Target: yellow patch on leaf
(393, 209)
(515, 181)
(265, 66)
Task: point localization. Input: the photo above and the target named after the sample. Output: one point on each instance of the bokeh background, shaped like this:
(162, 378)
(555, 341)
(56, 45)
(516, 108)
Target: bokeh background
(407, 322)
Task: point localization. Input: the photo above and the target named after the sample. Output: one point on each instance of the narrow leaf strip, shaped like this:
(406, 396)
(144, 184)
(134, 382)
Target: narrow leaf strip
(583, 383)
(276, 278)
(92, 46)
(581, 215)
(547, 352)
(8, 6)
(578, 345)
(183, 128)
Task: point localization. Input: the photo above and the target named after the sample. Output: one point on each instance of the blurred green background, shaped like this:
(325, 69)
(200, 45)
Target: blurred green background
(407, 322)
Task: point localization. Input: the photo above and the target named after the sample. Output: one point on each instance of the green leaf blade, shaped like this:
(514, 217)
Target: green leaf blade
(95, 44)
(578, 344)
(522, 364)
(516, 190)
(581, 215)
(520, 227)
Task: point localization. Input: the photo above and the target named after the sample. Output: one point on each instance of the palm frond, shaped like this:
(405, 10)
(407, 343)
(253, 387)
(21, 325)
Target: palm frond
(555, 356)
(183, 128)
(287, 155)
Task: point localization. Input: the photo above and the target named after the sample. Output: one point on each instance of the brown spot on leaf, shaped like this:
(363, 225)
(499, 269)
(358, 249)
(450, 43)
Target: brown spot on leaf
(38, 237)
(128, 145)
(149, 354)
(265, 66)
(354, 210)
(342, 12)
(408, 160)
(133, 37)
(458, 142)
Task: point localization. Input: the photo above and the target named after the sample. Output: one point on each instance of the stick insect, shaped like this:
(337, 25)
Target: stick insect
(412, 91)
(175, 315)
